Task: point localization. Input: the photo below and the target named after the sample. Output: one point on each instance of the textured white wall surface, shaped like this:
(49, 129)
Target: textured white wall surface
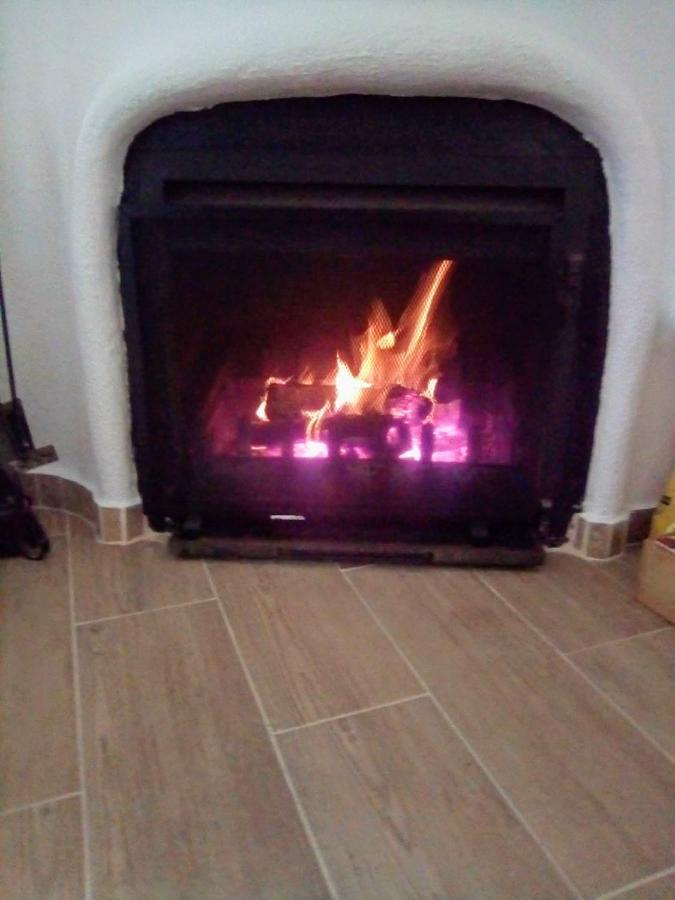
(79, 79)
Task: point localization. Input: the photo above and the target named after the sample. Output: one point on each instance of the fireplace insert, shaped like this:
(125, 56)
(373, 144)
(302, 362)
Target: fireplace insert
(364, 326)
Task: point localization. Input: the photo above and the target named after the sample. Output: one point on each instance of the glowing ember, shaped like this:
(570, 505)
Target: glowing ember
(310, 450)
(414, 453)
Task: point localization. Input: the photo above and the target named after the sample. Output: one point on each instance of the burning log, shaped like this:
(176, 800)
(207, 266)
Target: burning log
(267, 434)
(427, 442)
(382, 435)
(407, 404)
(289, 402)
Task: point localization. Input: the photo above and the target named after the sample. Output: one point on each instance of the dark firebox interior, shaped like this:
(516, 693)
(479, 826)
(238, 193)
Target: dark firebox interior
(493, 307)
(254, 239)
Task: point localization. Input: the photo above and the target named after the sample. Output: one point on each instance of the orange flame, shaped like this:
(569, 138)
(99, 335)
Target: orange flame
(314, 419)
(386, 356)
(405, 355)
(387, 341)
(347, 388)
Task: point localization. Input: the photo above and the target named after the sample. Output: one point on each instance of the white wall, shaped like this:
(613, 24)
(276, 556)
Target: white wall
(65, 64)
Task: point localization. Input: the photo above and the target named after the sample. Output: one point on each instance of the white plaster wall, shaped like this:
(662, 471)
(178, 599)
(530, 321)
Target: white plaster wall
(78, 79)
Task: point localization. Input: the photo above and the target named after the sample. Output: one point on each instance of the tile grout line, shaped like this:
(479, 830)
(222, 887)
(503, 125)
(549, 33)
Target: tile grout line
(304, 818)
(347, 715)
(143, 612)
(579, 671)
(622, 640)
(79, 729)
(66, 513)
(648, 879)
(38, 803)
(520, 818)
(302, 815)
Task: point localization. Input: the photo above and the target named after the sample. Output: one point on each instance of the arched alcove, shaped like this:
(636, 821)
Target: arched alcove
(386, 57)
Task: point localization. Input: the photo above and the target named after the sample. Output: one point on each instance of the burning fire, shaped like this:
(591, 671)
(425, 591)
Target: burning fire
(386, 356)
(382, 403)
(348, 389)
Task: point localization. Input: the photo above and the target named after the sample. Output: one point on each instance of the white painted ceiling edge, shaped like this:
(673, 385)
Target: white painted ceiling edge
(353, 50)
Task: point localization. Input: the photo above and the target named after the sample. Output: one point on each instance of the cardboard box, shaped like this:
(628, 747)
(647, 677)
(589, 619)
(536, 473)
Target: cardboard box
(656, 582)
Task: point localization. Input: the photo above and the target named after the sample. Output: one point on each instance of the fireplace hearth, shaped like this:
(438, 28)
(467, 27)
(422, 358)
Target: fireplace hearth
(364, 326)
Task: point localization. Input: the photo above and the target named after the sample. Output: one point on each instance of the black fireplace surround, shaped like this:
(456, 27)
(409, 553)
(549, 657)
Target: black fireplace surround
(465, 241)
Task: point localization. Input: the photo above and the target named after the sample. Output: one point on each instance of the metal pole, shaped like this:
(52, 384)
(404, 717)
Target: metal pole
(8, 351)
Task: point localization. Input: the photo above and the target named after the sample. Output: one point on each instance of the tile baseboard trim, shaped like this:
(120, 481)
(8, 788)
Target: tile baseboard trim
(604, 540)
(113, 525)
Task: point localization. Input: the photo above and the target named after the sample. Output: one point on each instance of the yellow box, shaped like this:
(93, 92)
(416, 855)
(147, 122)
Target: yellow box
(656, 582)
(664, 515)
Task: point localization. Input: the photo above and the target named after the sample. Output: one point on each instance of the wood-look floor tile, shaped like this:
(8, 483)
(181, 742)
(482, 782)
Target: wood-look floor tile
(660, 889)
(624, 568)
(599, 796)
(574, 602)
(38, 753)
(109, 580)
(311, 647)
(41, 852)
(400, 809)
(53, 521)
(186, 798)
(79, 500)
(639, 675)
(49, 491)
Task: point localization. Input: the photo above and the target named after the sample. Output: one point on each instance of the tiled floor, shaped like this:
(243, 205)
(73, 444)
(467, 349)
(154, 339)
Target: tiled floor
(172, 729)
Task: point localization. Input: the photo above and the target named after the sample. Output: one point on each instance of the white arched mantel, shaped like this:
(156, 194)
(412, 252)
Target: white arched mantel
(412, 50)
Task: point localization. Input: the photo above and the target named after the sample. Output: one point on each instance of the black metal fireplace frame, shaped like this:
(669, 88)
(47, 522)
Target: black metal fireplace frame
(472, 163)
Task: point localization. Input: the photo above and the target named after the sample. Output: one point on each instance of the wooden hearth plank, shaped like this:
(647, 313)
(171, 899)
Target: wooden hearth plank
(38, 754)
(400, 809)
(312, 650)
(185, 794)
(599, 796)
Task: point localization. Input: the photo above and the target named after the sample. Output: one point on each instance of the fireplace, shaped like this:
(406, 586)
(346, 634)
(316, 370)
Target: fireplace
(364, 326)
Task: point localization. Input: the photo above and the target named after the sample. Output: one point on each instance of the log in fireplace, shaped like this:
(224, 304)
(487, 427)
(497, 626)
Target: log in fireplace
(364, 326)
